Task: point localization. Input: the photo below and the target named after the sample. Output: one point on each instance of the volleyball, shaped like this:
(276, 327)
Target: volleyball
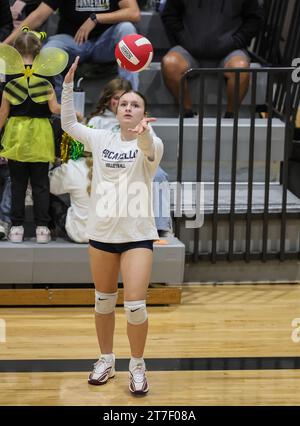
(134, 52)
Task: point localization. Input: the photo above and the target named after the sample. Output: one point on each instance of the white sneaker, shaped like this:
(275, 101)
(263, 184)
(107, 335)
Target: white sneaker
(103, 370)
(138, 383)
(16, 234)
(43, 235)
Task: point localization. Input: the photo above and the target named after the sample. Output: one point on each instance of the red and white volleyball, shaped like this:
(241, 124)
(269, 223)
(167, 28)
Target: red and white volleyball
(134, 52)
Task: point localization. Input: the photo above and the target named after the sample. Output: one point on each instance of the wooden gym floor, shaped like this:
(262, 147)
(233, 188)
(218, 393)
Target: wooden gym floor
(223, 345)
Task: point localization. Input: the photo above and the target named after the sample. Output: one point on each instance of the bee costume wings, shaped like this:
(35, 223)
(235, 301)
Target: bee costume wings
(49, 62)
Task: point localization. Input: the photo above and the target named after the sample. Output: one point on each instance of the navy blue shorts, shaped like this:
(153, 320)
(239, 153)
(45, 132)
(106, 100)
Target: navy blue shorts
(121, 247)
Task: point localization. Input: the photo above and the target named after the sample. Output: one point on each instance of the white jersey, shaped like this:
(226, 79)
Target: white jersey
(72, 178)
(120, 207)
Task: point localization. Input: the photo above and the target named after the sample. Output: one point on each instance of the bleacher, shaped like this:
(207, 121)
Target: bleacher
(61, 262)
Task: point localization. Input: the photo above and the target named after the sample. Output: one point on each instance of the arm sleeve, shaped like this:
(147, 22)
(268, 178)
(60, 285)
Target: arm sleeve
(172, 20)
(59, 180)
(253, 18)
(69, 121)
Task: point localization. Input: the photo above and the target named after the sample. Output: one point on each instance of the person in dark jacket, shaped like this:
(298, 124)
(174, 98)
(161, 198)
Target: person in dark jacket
(209, 33)
(6, 22)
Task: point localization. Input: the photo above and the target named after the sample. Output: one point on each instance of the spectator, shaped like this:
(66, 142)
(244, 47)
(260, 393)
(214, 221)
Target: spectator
(74, 178)
(209, 33)
(89, 29)
(105, 118)
(28, 143)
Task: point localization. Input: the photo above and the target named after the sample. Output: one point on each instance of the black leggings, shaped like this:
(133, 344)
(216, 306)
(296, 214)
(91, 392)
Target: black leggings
(20, 173)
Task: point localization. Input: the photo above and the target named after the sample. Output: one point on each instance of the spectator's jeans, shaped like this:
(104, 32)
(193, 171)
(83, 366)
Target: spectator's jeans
(5, 198)
(100, 50)
(161, 201)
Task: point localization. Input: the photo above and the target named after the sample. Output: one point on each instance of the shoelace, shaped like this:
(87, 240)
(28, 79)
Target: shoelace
(101, 363)
(138, 372)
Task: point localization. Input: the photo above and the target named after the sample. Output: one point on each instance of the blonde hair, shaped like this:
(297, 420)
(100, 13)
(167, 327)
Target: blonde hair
(28, 44)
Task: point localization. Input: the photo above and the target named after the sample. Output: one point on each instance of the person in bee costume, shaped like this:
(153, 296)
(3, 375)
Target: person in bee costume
(28, 143)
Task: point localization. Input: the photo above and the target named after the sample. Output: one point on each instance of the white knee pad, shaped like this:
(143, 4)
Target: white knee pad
(136, 311)
(105, 303)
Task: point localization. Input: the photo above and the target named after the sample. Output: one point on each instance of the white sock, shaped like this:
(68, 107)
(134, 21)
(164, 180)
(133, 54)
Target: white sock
(109, 357)
(135, 361)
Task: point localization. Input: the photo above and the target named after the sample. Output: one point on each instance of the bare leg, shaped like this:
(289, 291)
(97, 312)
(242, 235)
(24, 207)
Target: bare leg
(136, 267)
(236, 62)
(105, 269)
(173, 67)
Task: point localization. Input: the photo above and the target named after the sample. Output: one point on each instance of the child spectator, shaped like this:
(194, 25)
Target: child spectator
(72, 177)
(28, 139)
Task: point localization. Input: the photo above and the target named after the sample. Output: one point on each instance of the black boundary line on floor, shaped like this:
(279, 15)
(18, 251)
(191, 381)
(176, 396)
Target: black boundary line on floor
(155, 364)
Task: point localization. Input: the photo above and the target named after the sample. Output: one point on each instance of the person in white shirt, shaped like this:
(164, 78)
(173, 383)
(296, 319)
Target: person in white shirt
(74, 178)
(121, 226)
(104, 117)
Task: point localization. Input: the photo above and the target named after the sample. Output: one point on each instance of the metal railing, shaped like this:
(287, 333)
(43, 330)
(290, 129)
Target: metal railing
(281, 103)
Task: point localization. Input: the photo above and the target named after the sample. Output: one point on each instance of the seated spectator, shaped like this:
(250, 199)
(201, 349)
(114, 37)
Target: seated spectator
(105, 118)
(74, 178)
(212, 34)
(87, 29)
